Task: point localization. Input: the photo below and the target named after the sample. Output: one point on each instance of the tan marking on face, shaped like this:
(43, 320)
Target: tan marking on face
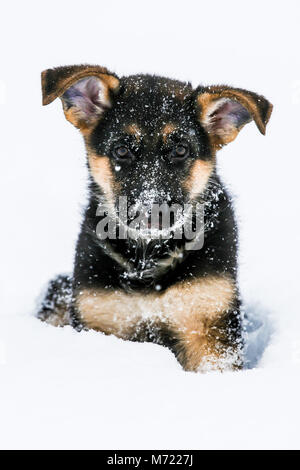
(167, 130)
(198, 177)
(134, 130)
(100, 169)
(187, 309)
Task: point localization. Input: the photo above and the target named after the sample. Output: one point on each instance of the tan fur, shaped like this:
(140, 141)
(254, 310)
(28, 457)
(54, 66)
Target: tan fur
(198, 177)
(200, 350)
(65, 77)
(74, 74)
(187, 308)
(101, 172)
(200, 324)
(134, 130)
(167, 130)
(206, 101)
(75, 117)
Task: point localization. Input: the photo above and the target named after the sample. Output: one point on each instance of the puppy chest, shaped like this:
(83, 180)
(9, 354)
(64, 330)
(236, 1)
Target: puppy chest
(118, 312)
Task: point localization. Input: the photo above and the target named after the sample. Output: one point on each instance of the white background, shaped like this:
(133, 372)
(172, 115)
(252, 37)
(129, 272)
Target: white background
(60, 389)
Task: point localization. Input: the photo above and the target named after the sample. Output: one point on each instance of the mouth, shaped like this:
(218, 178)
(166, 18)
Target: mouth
(151, 259)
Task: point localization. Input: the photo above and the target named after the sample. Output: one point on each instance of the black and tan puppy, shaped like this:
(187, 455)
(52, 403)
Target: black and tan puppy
(154, 139)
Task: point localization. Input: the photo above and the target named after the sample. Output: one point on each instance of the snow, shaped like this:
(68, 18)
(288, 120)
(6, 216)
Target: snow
(62, 389)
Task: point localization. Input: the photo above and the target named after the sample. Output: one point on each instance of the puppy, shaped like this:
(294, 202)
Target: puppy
(153, 141)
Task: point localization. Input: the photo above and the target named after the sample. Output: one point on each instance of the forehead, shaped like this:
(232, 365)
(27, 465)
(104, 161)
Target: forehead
(152, 102)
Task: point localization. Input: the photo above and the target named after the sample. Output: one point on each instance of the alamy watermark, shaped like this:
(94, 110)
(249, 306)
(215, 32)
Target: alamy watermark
(152, 221)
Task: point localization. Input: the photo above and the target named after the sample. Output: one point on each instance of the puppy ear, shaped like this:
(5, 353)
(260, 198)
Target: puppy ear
(223, 111)
(85, 91)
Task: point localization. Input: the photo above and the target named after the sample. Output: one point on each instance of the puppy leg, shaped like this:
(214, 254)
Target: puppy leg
(55, 306)
(204, 345)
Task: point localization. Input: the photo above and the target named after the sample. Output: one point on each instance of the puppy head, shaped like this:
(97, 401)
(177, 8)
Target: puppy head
(149, 138)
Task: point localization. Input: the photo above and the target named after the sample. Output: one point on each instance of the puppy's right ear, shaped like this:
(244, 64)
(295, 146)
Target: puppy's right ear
(85, 91)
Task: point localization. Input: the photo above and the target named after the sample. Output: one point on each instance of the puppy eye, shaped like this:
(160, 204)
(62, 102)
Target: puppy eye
(122, 152)
(180, 151)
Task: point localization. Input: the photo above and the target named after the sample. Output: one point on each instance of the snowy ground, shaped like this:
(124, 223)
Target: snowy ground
(61, 389)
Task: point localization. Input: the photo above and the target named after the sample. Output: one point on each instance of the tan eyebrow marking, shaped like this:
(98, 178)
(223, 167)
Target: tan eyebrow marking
(167, 130)
(133, 129)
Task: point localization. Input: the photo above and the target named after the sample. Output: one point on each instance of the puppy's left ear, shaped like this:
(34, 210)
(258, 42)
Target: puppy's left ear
(223, 111)
(86, 91)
